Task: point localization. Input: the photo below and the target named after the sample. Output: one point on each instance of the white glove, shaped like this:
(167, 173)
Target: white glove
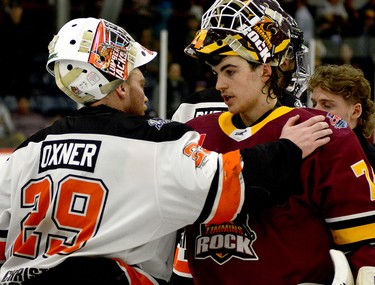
(366, 276)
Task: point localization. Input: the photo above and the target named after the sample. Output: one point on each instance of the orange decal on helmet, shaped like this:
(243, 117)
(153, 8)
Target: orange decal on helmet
(199, 39)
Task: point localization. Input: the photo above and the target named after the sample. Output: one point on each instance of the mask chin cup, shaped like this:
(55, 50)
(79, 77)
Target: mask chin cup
(302, 73)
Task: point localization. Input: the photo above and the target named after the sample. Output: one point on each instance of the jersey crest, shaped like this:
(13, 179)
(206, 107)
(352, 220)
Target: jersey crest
(158, 123)
(225, 241)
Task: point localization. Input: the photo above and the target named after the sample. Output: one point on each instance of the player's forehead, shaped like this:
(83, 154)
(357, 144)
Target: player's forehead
(323, 96)
(136, 76)
(229, 62)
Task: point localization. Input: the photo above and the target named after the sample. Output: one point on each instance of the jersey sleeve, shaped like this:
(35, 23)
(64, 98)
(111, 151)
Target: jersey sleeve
(239, 181)
(199, 183)
(271, 169)
(348, 197)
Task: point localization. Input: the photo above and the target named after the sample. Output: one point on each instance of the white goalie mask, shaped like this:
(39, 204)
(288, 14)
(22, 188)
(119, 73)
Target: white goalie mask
(90, 57)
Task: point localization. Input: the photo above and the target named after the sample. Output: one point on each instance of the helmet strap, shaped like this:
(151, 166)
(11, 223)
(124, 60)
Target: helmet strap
(62, 82)
(110, 86)
(237, 47)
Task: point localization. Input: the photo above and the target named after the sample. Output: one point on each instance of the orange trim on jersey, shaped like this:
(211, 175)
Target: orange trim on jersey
(180, 265)
(135, 277)
(226, 124)
(231, 196)
(354, 234)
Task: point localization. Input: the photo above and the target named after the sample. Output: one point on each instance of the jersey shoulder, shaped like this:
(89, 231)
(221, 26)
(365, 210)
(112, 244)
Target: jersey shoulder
(334, 121)
(108, 122)
(342, 137)
(205, 122)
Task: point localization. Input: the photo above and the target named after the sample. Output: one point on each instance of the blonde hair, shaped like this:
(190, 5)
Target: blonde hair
(350, 83)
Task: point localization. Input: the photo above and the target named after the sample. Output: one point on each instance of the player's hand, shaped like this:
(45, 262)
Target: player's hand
(308, 135)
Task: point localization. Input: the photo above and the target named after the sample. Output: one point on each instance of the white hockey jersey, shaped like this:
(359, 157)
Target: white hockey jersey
(104, 183)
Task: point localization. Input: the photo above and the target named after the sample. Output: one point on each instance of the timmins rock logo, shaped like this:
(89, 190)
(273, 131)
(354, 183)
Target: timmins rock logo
(225, 241)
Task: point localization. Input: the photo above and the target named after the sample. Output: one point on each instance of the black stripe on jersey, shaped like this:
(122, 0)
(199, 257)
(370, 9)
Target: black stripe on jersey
(3, 234)
(107, 121)
(82, 270)
(355, 222)
(210, 199)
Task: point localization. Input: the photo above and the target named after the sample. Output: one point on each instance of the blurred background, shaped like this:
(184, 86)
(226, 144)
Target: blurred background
(336, 31)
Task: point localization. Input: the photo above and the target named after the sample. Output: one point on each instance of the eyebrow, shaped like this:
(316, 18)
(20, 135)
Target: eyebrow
(143, 81)
(227, 66)
(326, 100)
(224, 67)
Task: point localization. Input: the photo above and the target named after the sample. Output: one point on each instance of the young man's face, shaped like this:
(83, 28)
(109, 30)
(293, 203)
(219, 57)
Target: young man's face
(240, 86)
(335, 104)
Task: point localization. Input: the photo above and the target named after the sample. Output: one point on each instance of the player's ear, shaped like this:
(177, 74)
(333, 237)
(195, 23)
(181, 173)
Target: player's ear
(357, 111)
(121, 90)
(266, 71)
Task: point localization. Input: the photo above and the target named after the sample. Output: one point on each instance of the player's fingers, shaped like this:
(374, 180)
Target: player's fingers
(322, 131)
(292, 121)
(313, 121)
(317, 127)
(321, 141)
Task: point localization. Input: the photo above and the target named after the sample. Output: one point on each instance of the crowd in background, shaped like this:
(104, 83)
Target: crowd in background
(338, 31)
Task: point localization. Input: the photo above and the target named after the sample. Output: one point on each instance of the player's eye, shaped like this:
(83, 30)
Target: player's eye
(229, 72)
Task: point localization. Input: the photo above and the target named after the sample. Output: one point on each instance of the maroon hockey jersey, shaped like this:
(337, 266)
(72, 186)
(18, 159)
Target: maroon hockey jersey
(287, 244)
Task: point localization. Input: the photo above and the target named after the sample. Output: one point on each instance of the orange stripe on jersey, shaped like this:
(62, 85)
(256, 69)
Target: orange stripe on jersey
(135, 275)
(354, 234)
(2, 252)
(180, 264)
(231, 195)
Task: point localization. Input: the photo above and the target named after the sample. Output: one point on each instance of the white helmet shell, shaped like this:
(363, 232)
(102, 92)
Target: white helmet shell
(89, 57)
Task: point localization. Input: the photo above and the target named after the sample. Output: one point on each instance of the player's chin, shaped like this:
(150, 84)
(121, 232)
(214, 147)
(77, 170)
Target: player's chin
(144, 110)
(233, 109)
